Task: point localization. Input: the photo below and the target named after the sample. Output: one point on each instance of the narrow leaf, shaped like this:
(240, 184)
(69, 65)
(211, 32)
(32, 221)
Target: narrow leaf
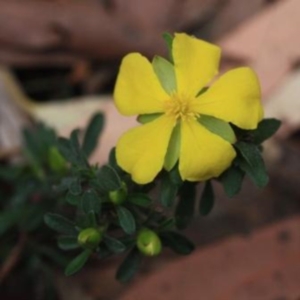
(77, 263)
(108, 179)
(207, 199)
(129, 266)
(177, 242)
(92, 134)
(90, 202)
(114, 245)
(186, 205)
(173, 150)
(126, 220)
(168, 191)
(169, 41)
(266, 128)
(67, 243)
(252, 163)
(232, 180)
(219, 127)
(143, 119)
(165, 73)
(60, 224)
(140, 199)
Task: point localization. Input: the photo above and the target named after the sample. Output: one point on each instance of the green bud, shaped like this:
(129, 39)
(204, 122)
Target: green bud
(148, 242)
(118, 197)
(56, 161)
(89, 238)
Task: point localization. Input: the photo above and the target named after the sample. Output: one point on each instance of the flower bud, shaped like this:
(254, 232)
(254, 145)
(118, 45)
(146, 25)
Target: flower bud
(89, 238)
(56, 161)
(117, 197)
(148, 242)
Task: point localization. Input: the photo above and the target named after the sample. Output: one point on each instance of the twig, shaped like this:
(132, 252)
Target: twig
(13, 257)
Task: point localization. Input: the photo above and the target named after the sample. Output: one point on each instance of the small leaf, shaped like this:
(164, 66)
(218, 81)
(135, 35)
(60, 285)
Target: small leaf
(207, 199)
(266, 128)
(108, 179)
(67, 243)
(168, 191)
(75, 187)
(232, 180)
(173, 150)
(186, 205)
(165, 73)
(73, 199)
(143, 119)
(90, 202)
(219, 127)
(60, 224)
(92, 134)
(252, 163)
(77, 263)
(169, 41)
(140, 199)
(129, 266)
(177, 242)
(114, 245)
(126, 219)
(64, 146)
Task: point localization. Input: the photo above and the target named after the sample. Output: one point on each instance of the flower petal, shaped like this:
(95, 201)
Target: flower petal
(141, 151)
(196, 63)
(235, 98)
(203, 155)
(138, 90)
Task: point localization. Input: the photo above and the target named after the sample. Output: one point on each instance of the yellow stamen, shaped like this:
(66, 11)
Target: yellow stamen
(180, 107)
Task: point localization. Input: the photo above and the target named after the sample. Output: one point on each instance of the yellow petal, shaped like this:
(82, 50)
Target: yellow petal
(141, 151)
(138, 90)
(235, 98)
(196, 63)
(203, 155)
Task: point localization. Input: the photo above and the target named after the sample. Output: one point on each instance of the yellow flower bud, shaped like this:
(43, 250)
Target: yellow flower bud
(90, 238)
(148, 242)
(118, 197)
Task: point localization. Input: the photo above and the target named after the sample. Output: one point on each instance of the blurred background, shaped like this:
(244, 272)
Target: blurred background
(58, 64)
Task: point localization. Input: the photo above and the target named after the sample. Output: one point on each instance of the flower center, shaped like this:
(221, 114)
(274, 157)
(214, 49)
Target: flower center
(179, 107)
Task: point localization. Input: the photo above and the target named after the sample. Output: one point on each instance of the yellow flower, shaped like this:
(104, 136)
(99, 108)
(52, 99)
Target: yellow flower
(172, 93)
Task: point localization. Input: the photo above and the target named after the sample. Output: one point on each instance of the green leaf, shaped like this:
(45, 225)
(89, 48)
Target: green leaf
(126, 219)
(251, 162)
(67, 243)
(114, 245)
(75, 187)
(173, 150)
(60, 224)
(107, 179)
(177, 242)
(165, 73)
(77, 263)
(219, 127)
(73, 199)
(168, 191)
(140, 199)
(92, 134)
(232, 180)
(129, 266)
(186, 205)
(266, 128)
(175, 176)
(70, 150)
(169, 41)
(90, 202)
(143, 119)
(207, 199)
